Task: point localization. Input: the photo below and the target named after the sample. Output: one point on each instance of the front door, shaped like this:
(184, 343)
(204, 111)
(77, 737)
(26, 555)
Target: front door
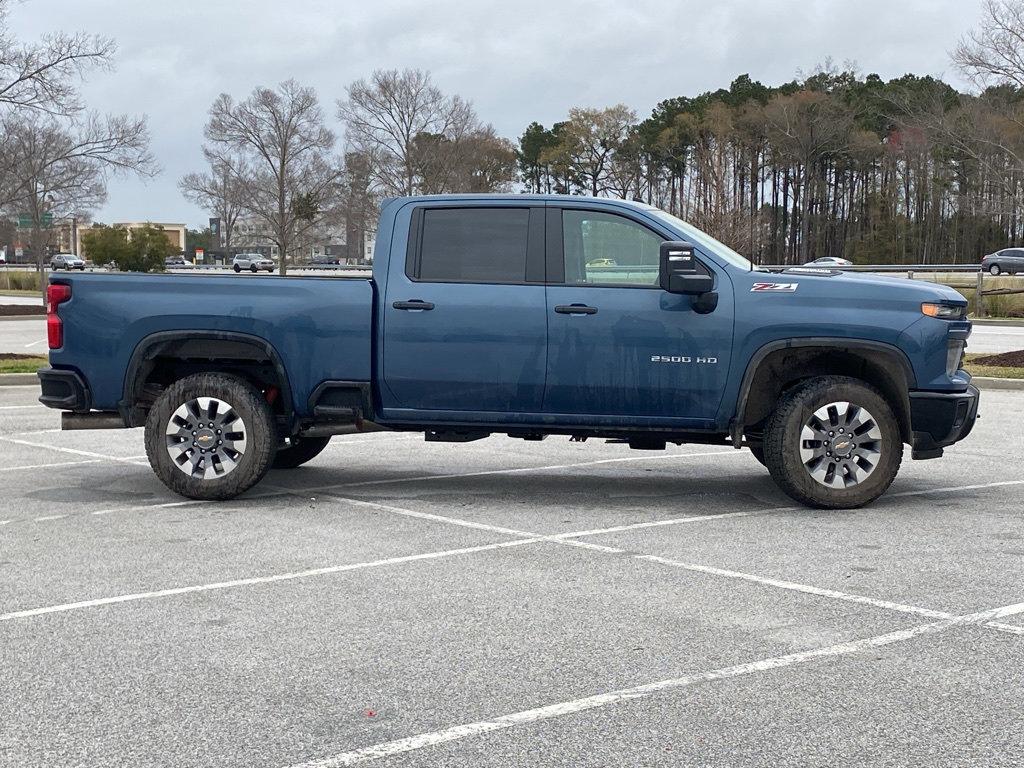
(618, 344)
(464, 330)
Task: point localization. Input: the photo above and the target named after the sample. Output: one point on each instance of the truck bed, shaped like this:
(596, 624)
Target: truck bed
(321, 327)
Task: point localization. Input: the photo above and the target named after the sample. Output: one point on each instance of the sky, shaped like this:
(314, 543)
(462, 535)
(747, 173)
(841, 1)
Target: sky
(516, 61)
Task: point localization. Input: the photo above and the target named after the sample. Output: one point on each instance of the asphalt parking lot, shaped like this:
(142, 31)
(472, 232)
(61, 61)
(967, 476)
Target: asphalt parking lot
(397, 602)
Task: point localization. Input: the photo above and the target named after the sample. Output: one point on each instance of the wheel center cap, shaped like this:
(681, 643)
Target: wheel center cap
(843, 446)
(206, 438)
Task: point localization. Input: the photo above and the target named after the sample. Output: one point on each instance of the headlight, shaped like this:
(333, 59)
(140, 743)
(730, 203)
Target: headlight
(944, 311)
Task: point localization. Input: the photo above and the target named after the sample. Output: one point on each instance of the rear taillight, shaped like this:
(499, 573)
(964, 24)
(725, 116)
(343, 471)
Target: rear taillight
(56, 293)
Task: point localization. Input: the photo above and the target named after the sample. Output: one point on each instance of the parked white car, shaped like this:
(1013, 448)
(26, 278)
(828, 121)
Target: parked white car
(253, 262)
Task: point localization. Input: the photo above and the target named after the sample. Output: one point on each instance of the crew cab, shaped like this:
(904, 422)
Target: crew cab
(529, 316)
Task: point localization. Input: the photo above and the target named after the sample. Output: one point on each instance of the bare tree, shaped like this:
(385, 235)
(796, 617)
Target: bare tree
(220, 191)
(387, 118)
(994, 52)
(293, 182)
(59, 171)
(588, 141)
(43, 75)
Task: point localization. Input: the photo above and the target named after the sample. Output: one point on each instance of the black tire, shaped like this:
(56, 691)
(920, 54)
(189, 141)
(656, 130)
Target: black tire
(237, 268)
(258, 426)
(994, 270)
(301, 451)
(254, 269)
(782, 442)
(757, 449)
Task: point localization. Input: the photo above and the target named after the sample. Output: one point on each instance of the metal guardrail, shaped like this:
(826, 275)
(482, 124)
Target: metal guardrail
(910, 269)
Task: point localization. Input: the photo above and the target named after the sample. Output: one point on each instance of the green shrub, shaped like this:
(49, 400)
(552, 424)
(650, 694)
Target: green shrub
(20, 280)
(141, 250)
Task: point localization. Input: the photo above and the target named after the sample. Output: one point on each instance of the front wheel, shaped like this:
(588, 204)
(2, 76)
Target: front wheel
(299, 452)
(210, 436)
(994, 270)
(833, 442)
(254, 269)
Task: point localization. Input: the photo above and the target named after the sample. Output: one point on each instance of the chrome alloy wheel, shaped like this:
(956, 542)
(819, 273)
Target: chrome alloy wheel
(206, 438)
(840, 445)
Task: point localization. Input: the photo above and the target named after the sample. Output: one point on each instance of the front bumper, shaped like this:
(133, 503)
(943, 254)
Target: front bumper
(941, 419)
(64, 389)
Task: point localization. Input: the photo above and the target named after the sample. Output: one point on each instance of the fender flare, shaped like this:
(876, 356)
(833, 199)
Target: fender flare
(823, 342)
(150, 345)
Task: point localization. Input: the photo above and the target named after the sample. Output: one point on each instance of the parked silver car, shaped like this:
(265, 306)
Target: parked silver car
(66, 262)
(252, 262)
(830, 261)
(1009, 260)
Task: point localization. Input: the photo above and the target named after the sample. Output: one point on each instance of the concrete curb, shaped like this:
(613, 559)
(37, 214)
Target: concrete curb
(997, 383)
(14, 380)
(39, 316)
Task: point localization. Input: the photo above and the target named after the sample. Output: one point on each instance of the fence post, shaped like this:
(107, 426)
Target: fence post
(979, 300)
(910, 274)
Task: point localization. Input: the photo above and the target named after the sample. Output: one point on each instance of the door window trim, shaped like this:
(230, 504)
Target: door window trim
(534, 271)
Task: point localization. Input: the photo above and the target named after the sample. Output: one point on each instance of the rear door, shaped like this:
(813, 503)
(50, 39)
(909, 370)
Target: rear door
(464, 320)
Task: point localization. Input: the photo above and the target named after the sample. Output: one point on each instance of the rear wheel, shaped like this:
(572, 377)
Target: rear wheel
(237, 268)
(833, 442)
(299, 452)
(995, 269)
(210, 436)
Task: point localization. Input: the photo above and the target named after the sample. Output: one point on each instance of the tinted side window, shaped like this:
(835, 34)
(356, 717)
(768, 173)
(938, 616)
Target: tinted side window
(474, 245)
(605, 249)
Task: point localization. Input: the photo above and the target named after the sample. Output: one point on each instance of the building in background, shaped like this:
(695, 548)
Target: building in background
(71, 243)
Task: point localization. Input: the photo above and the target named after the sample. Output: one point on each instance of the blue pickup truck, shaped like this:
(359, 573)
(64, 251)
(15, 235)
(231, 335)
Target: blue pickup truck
(529, 316)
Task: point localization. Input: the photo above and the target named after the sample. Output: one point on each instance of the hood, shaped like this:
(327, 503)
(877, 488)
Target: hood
(855, 283)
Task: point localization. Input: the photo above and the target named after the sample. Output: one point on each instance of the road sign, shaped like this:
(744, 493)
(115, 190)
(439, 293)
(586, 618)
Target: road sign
(25, 221)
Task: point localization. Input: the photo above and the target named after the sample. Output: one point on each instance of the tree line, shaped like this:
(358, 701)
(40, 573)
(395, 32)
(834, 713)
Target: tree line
(906, 170)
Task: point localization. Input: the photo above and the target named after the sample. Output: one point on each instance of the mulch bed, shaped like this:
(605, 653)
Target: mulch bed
(21, 309)
(1014, 359)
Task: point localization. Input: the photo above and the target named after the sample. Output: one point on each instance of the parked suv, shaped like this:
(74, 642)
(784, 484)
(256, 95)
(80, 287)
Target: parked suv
(1009, 260)
(254, 262)
(66, 262)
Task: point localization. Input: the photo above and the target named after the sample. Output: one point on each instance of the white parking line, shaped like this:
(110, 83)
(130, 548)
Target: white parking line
(64, 607)
(556, 710)
(77, 452)
(52, 464)
(49, 517)
(819, 591)
(514, 470)
(28, 406)
(570, 539)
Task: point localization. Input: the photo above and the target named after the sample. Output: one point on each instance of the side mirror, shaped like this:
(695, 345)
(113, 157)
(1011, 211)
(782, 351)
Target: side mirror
(678, 272)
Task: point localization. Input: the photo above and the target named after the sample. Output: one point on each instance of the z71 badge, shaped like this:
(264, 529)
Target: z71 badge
(790, 287)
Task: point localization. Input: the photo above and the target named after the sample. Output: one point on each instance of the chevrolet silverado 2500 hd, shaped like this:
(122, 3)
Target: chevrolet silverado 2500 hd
(529, 316)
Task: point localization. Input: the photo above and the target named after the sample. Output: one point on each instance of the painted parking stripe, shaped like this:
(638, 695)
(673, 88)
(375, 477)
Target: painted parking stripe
(557, 710)
(65, 607)
(78, 452)
(51, 464)
(818, 591)
(570, 539)
(514, 470)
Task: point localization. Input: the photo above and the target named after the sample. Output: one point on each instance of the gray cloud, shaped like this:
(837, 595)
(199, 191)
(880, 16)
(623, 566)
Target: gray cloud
(517, 62)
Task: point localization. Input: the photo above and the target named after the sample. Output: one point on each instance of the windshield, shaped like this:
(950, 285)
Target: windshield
(699, 238)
